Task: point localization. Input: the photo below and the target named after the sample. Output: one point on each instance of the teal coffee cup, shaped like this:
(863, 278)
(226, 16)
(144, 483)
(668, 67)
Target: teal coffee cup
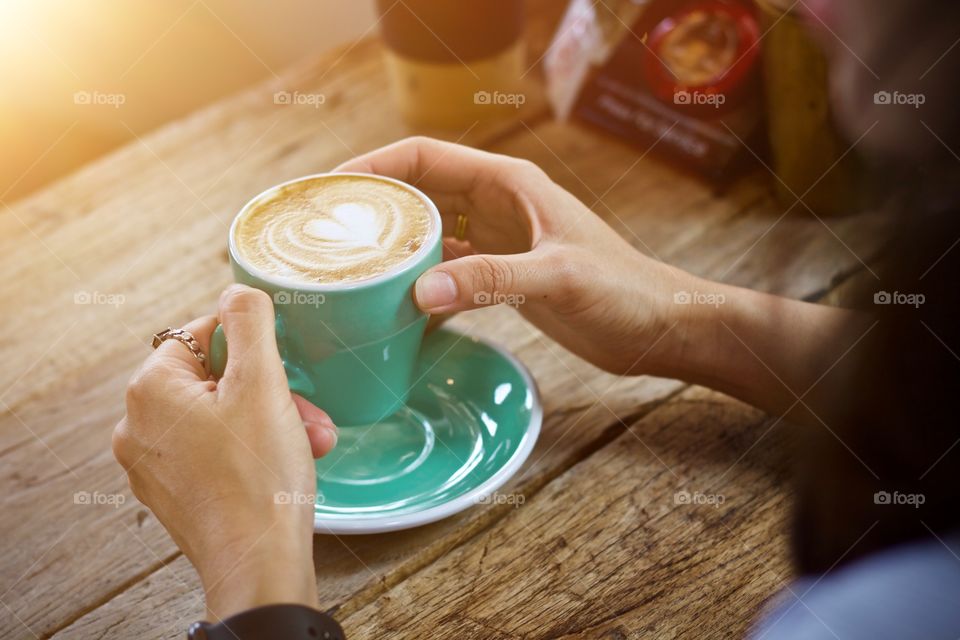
(349, 348)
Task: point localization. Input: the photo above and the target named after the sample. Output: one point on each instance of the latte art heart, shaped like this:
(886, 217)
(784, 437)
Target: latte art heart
(347, 224)
(333, 229)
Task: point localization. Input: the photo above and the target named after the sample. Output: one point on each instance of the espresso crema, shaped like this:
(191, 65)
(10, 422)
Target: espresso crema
(333, 229)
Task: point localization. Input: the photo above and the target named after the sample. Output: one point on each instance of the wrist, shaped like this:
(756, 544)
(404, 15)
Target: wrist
(255, 584)
(764, 349)
(706, 322)
(698, 320)
(680, 325)
(270, 564)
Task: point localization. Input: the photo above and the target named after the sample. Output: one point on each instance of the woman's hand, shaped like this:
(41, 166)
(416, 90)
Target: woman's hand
(226, 465)
(532, 244)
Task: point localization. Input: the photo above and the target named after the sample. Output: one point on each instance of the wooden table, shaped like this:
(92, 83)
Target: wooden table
(600, 546)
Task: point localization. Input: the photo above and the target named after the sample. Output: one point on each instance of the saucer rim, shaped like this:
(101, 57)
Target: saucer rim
(384, 524)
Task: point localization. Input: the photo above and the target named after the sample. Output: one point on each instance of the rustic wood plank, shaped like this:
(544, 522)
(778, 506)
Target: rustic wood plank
(359, 568)
(148, 222)
(611, 549)
(354, 570)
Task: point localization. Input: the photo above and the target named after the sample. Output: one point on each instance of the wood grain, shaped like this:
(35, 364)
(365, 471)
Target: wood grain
(355, 570)
(148, 223)
(143, 233)
(662, 533)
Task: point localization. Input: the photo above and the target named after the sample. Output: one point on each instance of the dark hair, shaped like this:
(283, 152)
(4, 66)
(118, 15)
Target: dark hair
(886, 467)
(883, 468)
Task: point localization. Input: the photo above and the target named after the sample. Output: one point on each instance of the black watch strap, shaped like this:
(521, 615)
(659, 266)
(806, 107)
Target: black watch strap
(288, 621)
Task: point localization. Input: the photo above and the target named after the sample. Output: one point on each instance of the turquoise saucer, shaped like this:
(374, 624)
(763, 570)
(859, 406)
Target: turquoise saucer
(472, 418)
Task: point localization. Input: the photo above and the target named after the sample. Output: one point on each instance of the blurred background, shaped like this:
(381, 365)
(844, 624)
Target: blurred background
(715, 87)
(55, 54)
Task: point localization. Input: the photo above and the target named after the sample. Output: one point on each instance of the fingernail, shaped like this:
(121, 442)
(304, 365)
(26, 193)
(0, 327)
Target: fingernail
(435, 290)
(235, 286)
(334, 435)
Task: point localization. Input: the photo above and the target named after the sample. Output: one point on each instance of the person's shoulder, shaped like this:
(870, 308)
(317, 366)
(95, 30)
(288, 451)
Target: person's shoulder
(909, 591)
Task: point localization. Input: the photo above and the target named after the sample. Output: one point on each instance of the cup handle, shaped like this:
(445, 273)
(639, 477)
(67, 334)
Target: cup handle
(297, 380)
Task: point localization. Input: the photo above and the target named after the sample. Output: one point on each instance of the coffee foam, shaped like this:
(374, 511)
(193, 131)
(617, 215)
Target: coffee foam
(333, 229)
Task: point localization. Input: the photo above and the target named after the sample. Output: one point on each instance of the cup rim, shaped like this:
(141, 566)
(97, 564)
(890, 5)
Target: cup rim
(290, 283)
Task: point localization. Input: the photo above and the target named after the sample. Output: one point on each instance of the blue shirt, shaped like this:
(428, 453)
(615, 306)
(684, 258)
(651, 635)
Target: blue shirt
(909, 591)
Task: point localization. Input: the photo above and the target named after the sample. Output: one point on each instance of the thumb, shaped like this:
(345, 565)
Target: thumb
(250, 329)
(479, 281)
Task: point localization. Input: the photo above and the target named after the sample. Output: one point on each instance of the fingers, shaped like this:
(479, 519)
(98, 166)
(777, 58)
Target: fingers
(434, 322)
(482, 280)
(320, 428)
(495, 192)
(250, 329)
(176, 359)
(427, 163)
(118, 443)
